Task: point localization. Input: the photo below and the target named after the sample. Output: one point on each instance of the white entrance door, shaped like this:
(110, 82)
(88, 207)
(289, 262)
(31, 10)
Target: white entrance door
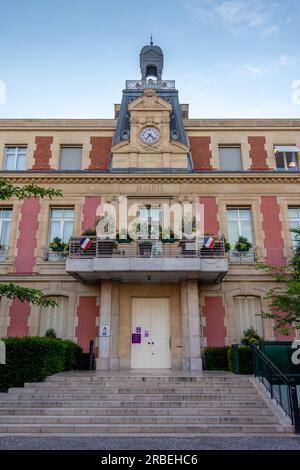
(150, 320)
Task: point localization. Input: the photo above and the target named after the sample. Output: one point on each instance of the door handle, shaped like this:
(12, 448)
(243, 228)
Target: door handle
(152, 342)
(170, 342)
(149, 342)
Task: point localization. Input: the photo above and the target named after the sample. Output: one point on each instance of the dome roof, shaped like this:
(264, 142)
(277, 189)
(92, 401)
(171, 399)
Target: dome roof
(151, 48)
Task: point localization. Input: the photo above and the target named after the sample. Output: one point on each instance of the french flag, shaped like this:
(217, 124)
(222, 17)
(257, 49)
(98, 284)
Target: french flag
(85, 243)
(209, 242)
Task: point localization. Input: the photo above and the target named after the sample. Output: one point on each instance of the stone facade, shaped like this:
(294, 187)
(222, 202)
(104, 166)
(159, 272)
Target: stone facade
(201, 313)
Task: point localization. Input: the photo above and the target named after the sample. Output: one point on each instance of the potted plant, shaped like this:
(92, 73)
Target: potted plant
(250, 336)
(227, 246)
(243, 245)
(89, 232)
(57, 244)
(123, 236)
(166, 235)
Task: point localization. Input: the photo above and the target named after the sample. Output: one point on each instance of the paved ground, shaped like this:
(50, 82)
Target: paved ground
(150, 443)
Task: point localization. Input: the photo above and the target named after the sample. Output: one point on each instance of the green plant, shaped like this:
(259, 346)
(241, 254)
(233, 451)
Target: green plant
(123, 236)
(227, 246)
(216, 358)
(244, 360)
(250, 336)
(243, 244)
(58, 245)
(89, 232)
(8, 191)
(50, 333)
(284, 296)
(32, 359)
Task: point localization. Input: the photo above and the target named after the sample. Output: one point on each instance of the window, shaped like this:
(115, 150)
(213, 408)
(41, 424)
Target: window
(15, 158)
(5, 221)
(61, 224)
(239, 224)
(55, 317)
(150, 216)
(230, 158)
(70, 158)
(294, 218)
(286, 157)
(246, 309)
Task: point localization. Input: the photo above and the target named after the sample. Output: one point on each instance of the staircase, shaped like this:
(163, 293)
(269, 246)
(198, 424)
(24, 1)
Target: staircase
(120, 403)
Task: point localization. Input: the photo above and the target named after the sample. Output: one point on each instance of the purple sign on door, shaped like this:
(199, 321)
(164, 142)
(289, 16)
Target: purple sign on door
(138, 329)
(136, 338)
(147, 333)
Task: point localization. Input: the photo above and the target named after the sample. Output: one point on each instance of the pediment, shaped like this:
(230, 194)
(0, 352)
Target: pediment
(149, 101)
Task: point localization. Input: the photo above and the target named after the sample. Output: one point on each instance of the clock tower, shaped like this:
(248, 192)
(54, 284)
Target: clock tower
(150, 132)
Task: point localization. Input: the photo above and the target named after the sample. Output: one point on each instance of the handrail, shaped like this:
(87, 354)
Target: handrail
(281, 388)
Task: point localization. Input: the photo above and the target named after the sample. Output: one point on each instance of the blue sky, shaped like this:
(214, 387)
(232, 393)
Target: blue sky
(70, 58)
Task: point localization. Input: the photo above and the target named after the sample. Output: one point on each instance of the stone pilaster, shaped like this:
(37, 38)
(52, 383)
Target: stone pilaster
(191, 345)
(109, 315)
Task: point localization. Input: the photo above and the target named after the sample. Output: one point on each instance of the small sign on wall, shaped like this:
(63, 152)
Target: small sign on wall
(138, 329)
(104, 330)
(136, 338)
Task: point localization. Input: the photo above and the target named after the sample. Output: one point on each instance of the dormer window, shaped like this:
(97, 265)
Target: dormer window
(286, 157)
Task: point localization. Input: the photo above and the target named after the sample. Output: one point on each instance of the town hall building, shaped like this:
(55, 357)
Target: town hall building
(159, 299)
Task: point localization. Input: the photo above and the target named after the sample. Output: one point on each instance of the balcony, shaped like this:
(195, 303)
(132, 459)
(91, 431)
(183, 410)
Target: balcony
(55, 256)
(156, 84)
(147, 260)
(242, 256)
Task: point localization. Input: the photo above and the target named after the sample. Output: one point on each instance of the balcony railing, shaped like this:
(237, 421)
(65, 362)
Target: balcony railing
(242, 256)
(3, 254)
(146, 249)
(55, 256)
(156, 84)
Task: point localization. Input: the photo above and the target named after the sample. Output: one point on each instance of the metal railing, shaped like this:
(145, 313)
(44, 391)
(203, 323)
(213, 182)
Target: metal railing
(3, 254)
(55, 256)
(157, 84)
(146, 249)
(281, 389)
(242, 256)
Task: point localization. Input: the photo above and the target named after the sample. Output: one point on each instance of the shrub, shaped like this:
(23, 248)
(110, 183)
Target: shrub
(244, 360)
(50, 333)
(32, 359)
(89, 232)
(243, 244)
(73, 354)
(216, 358)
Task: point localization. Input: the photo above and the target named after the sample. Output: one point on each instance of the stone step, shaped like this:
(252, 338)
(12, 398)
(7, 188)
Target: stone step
(126, 429)
(140, 384)
(141, 420)
(131, 389)
(133, 404)
(135, 411)
(146, 379)
(132, 396)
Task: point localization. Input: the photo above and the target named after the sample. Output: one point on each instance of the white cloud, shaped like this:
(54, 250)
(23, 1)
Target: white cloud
(255, 71)
(284, 61)
(237, 15)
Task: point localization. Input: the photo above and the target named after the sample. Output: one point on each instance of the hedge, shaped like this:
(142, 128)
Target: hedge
(216, 358)
(32, 359)
(245, 361)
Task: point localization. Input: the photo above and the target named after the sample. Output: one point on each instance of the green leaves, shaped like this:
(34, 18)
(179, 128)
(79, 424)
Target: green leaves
(33, 296)
(284, 298)
(8, 190)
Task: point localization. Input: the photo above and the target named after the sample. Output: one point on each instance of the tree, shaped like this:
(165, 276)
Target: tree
(13, 291)
(284, 298)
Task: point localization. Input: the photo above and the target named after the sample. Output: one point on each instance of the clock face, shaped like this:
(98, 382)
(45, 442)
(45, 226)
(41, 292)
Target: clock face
(149, 135)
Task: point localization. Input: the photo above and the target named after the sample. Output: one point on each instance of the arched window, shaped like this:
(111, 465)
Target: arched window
(55, 317)
(246, 308)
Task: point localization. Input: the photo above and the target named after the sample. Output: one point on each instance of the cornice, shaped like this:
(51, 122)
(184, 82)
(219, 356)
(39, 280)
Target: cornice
(156, 178)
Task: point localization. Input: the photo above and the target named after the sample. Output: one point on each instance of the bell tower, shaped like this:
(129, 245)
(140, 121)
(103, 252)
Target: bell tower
(150, 133)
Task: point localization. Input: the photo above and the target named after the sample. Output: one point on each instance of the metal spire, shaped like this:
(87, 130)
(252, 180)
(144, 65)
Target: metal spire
(151, 41)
